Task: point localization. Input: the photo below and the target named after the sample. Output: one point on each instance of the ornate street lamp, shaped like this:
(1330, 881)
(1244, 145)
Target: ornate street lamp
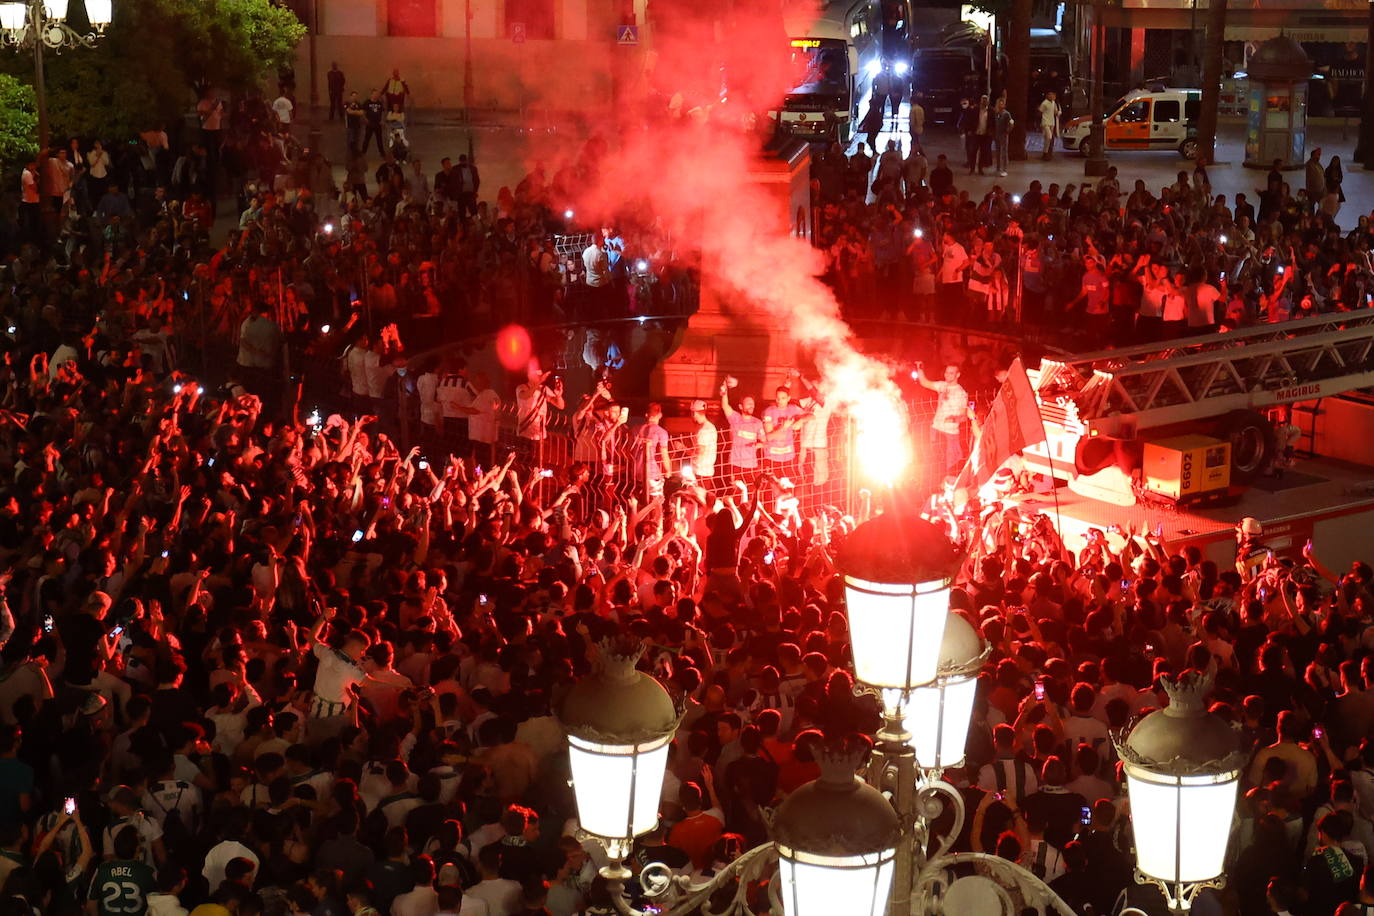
(938, 714)
(1182, 768)
(841, 845)
(897, 572)
(837, 839)
(619, 722)
(38, 24)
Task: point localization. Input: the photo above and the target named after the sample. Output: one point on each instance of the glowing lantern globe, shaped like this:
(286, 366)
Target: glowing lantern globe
(99, 13)
(836, 839)
(13, 16)
(619, 722)
(937, 715)
(1182, 768)
(897, 572)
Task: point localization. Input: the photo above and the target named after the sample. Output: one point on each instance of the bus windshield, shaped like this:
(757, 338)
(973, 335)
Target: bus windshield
(819, 65)
(941, 70)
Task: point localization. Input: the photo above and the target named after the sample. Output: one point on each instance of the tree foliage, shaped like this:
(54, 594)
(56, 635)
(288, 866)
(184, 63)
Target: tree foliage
(18, 121)
(154, 56)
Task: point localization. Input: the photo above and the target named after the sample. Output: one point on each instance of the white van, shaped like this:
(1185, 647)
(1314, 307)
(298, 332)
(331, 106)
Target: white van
(1144, 119)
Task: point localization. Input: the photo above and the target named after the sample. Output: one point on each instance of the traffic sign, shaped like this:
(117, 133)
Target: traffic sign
(627, 34)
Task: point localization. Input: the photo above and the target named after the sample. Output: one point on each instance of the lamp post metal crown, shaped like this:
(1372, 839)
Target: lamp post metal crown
(26, 21)
(837, 839)
(897, 573)
(1182, 767)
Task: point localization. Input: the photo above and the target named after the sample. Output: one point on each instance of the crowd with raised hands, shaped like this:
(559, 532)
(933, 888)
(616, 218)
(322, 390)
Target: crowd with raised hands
(254, 663)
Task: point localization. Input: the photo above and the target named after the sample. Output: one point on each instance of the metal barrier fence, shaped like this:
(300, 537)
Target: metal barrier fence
(827, 470)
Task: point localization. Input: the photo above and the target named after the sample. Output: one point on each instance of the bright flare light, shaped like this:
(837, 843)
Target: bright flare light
(882, 441)
(1016, 200)
(902, 67)
(567, 214)
(324, 329)
(874, 67)
(920, 233)
(1222, 239)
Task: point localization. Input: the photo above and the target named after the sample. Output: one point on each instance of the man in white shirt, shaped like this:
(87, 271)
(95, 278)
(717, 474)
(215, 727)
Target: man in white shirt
(954, 261)
(283, 108)
(533, 399)
(597, 265)
(502, 896)
(815, 435)
(424, 899)
(427, 393)
(483, 424)
(705, 444)
(124, 805)
(168, 794)
(454, 395)
(950, 411)
(260, 344)
(30, 206)
(226, 851)
(1049, 124)
(332, 706)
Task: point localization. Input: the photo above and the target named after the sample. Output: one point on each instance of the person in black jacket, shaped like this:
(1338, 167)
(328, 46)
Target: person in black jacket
(334, 79)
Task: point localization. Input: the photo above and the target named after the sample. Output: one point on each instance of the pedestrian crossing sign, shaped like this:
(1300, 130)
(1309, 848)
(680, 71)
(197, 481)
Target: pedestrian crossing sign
(627, 34)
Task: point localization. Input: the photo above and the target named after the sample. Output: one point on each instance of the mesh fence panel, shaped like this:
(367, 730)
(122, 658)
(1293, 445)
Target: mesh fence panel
(620, 465)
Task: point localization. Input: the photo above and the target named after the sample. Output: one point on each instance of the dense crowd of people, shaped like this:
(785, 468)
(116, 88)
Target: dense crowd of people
(1117, 264)
(261, 662)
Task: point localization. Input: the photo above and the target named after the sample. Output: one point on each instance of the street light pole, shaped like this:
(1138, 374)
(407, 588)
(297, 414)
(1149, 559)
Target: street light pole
(40, 83)
(41, 24)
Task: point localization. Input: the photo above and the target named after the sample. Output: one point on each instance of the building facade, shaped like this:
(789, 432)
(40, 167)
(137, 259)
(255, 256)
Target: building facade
(511, 55)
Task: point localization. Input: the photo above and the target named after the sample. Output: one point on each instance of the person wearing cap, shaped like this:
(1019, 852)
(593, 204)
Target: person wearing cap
(705, 443)
(126, 813)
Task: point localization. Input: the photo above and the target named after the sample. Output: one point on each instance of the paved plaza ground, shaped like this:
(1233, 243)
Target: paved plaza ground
(505, 147)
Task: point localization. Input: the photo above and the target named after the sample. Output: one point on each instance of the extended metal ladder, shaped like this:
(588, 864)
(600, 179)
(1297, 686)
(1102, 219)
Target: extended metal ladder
(1211, 375)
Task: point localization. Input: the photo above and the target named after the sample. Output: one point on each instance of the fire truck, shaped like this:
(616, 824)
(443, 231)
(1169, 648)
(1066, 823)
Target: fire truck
(1188, 434)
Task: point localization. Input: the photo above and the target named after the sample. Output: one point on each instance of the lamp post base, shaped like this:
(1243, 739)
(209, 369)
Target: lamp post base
(1096, 165)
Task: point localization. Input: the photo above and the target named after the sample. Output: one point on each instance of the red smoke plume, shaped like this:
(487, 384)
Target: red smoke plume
(691, 126)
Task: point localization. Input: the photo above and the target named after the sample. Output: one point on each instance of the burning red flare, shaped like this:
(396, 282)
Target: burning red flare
(513, 347)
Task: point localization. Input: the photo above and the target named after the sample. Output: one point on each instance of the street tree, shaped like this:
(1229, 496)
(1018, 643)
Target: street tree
(156, 56)
(18, 122)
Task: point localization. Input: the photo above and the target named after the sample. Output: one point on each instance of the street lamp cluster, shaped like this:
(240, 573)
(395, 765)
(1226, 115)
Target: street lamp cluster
(866, 847)
(38, 24)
